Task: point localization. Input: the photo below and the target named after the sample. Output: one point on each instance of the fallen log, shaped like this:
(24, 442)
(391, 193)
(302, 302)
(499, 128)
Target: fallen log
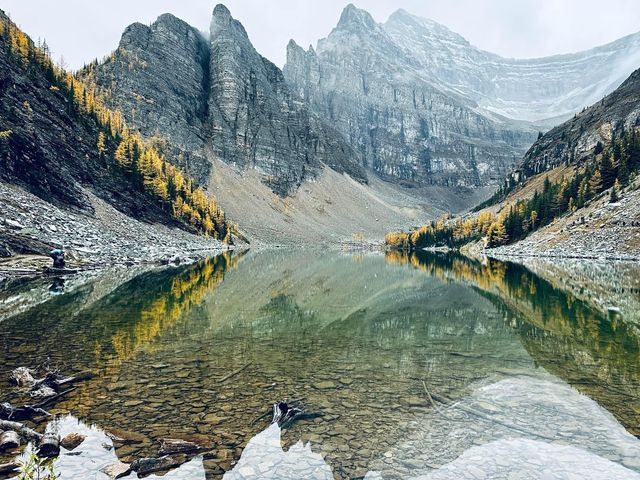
(285, 415)
(145, 466)
(170, 446)
(9, 440)
(234, 373)
(6, 468)
(55, 381)
(26, 434)
(22, 377)
(7, 412)
(49, 445)
(52, 399)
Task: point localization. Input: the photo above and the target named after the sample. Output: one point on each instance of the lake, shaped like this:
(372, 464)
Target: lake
(426, 366)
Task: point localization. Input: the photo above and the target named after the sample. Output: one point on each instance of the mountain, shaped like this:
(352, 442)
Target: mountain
(545, 90)
(403, 126)
(419, 103)
(228, 117)
(575, 194)
(591, 164)
(69, 167)
(576, 140)
(218, 94)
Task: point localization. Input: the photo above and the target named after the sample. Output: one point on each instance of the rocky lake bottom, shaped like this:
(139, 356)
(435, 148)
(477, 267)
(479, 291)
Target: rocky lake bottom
(425, 366)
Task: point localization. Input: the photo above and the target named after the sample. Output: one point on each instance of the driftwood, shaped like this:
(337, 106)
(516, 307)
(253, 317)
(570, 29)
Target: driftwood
(22, 377)
(49, 446)
(54, 381)
(285, 415)
(9, 440)
(170, 446)
(7, 412)
(234, 373)
(48, 388)
(145, 466)
(26, 434)
(52, 399)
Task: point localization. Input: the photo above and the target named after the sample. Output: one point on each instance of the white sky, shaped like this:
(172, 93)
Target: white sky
(81, 30)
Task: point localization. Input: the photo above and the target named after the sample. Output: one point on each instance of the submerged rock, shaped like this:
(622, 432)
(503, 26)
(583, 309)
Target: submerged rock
(116, 470)
(72, 440)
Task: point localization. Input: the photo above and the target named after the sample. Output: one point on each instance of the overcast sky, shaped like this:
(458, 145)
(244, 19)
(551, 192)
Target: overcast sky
(81, 30)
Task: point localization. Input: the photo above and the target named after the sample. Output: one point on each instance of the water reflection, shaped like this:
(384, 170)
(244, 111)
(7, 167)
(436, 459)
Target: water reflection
(201, 353)
(596, 351)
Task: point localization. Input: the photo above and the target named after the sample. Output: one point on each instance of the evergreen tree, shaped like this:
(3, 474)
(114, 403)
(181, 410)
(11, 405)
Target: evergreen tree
(595, 184)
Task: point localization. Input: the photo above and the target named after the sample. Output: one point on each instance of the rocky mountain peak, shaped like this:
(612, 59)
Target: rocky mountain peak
(356, 19)
(135, 34)
(430, 30)
(222, 21)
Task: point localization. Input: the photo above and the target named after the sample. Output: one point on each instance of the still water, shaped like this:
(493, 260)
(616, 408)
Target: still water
(424, 366)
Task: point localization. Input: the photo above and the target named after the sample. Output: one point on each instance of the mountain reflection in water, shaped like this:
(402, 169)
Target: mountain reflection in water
(201, 352)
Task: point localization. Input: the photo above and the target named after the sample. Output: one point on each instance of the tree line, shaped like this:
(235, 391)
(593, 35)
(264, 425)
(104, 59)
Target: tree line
(612, 168)
(142, 163)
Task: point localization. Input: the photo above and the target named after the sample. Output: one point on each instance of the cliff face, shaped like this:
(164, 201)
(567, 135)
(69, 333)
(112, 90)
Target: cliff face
(219, 96)
(257, 122)
(418, 102)
(403, 126)
(547, 90)
(158, 79)
(575, 140)
(49, 148)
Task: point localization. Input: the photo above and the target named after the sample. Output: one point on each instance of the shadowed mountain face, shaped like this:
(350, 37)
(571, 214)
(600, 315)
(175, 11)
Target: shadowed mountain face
(215, 94)
(419, 103)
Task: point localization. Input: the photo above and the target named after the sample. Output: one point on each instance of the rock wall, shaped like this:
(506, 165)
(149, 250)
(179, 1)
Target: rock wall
(218, 95)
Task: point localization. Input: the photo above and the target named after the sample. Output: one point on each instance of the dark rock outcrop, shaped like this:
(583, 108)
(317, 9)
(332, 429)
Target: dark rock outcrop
(49, 148)
(158, 79)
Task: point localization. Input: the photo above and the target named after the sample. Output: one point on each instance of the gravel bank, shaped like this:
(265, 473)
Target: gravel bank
(108, 237)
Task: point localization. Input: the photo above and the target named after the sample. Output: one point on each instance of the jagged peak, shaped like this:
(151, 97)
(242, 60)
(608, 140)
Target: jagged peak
(221, 11)
(222, 20)
(401, 17)
(292, 45)
(356, 18)
(171, 20)
(136, 33)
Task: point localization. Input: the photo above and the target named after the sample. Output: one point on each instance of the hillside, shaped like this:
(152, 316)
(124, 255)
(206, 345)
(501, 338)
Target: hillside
(59, 143)
(604, 137)
(576, 192)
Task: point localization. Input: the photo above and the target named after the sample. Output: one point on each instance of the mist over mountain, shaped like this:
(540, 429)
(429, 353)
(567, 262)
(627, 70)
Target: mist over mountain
(419, 103)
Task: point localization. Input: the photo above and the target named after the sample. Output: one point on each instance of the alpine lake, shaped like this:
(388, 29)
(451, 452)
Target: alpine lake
(407, 366)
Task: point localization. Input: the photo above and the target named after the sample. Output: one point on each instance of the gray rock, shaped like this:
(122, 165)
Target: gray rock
(219, 95)
(421, 104)
(401, 124)
(116, 470)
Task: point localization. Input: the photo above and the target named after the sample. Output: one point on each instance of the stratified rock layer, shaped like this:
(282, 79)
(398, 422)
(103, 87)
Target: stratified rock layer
(220, 96)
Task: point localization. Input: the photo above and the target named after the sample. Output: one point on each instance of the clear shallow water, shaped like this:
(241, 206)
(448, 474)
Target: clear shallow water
(201, 352)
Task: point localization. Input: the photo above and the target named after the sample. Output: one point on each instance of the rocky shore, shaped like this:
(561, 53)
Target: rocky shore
(602, 230)
(30, 227)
